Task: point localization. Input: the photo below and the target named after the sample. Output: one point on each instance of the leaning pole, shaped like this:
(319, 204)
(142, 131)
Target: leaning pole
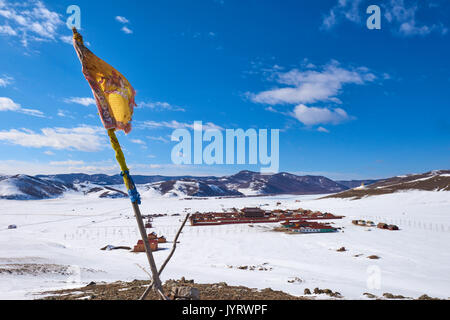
(114, 97)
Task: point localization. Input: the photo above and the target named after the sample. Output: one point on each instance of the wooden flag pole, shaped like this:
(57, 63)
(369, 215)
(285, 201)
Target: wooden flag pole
(174, 246)
(98, 73)
(135, 200)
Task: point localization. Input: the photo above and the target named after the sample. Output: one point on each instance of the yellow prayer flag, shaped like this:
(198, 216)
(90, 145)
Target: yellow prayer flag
(113, 93)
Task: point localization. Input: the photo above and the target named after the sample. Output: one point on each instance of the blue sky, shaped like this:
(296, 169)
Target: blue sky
(350, 102)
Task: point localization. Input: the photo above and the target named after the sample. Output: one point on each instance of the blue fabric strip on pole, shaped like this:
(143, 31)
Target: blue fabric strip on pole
(132, 191)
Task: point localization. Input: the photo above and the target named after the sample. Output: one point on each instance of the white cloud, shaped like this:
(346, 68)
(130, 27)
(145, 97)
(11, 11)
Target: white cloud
(62, 113)
(322, 129)
(122, 19)
(65, 114)
(7, 104)
(400, 16)
(310, 116)
(82, 138)
(311, 86)
(31, 21)
(67, 39)
(160, 106)
(137, 141)
(32, 112)
(127, 30)
(330, 20)
(80, 100)
(67, 163)
(49, 153)
(5, 80)
(35, 167)
(162, 139)
(177, 125)
(348, 9)
(8, 30)
(409, 28)
(404, 18)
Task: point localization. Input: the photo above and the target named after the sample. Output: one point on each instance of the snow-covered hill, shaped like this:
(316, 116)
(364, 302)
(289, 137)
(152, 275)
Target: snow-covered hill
(249, 182)
(57, 245)
(24, 187)
(437, 180)
(99, 191)
(186, 188)
(244, 183)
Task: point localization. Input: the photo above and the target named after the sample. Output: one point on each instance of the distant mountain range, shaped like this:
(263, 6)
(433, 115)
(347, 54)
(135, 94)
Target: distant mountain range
(244, 183)
(437, 180)
(24, 187)
(248, 183)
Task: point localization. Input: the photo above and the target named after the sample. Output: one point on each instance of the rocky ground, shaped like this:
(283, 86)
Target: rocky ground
(133, 290)
(218, 291)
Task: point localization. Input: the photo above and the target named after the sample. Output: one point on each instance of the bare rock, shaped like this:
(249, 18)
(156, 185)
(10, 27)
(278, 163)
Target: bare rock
(426, 297)
(369, 295)
(185, 293)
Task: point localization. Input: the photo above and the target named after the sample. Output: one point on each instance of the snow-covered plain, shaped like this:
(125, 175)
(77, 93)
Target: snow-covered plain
(69, 232)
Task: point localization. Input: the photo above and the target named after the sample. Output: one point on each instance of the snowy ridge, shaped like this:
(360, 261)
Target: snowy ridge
(24, 187)
(185, 188)
(244, 183)
(436, 180)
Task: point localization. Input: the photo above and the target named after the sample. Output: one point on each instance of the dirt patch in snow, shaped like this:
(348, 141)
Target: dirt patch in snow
(133, 290)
